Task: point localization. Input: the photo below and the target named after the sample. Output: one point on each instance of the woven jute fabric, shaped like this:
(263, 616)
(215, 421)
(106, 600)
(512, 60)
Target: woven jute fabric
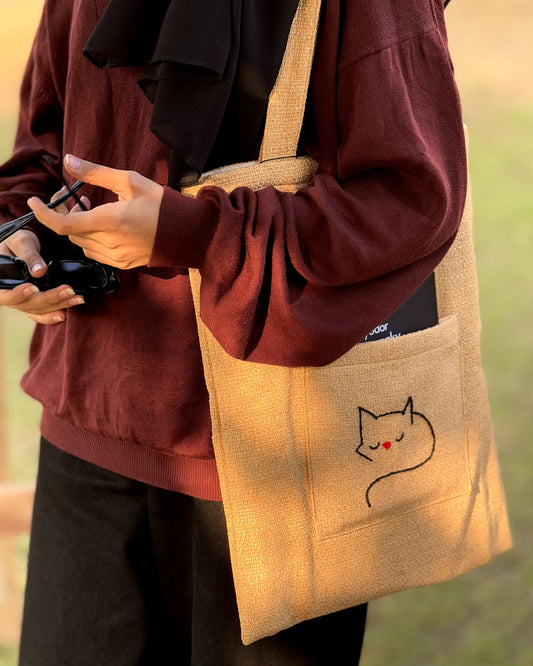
(340, 487)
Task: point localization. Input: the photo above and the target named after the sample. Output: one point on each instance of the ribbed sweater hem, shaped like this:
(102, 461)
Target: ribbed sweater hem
(197, 477)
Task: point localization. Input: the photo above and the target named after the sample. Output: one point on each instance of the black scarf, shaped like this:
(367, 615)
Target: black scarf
(209, 68)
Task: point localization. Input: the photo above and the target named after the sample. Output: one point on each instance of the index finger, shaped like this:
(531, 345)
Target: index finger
(116, 180)
(77, 223)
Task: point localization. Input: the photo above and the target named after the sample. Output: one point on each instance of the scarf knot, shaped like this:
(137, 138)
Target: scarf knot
(209, 67)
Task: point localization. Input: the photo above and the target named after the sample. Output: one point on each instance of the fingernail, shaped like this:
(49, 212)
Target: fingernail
(30, 290)
(66, 293)
(30, 201)
(79, 300)
(58, 318)
(59, 193)
(72, 161)
(36, 267)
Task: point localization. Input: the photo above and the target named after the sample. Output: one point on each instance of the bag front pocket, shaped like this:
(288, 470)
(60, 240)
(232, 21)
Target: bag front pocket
(386, 429)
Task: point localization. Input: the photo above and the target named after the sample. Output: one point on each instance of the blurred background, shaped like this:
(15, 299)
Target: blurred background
(485, 616)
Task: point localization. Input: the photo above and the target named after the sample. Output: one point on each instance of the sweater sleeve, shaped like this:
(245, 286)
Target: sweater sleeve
(40, 120)
(298, 279)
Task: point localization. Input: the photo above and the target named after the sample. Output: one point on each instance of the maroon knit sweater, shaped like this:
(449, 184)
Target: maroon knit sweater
(291, 280)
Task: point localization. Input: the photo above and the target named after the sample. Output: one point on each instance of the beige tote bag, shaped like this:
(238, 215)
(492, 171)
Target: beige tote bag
(339, 487)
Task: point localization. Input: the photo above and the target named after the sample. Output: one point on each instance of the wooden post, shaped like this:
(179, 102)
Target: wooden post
(16, 504)
(19, 22)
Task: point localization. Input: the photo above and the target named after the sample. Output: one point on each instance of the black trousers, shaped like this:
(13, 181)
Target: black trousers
(125, 574)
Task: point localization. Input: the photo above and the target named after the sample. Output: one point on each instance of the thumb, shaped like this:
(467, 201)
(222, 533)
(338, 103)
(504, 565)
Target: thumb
(25, 245)
(115, 180)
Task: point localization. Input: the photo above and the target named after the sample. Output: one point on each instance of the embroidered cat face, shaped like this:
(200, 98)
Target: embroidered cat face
(394, 442)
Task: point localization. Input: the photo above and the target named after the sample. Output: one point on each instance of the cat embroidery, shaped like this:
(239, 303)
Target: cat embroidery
(394, 442)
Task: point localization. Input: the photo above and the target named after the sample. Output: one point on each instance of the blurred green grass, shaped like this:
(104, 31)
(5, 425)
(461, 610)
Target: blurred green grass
(7, 129)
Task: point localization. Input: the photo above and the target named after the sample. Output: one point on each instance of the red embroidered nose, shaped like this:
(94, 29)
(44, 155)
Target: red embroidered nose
(386, 445)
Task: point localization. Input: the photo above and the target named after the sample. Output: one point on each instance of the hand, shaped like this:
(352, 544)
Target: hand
(121, 233)
(47, 307)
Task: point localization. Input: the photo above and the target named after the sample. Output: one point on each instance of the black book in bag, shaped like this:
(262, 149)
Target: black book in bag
(418, 312)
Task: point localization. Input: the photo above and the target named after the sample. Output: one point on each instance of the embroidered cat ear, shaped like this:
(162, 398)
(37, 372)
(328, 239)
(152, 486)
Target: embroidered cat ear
(408, 409)
(364, 417)
(362, 411)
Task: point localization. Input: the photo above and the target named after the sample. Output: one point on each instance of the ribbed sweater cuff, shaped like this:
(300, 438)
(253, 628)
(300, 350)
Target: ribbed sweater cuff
(186, 226)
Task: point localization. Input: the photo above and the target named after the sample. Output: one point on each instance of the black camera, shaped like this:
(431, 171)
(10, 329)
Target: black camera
(83, 275)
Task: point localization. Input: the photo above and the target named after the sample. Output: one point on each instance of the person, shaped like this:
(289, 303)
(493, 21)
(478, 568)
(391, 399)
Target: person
(129, 559)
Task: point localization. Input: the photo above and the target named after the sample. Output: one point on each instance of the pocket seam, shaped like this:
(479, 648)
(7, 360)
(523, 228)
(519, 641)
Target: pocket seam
(452, 340)
(450, 321)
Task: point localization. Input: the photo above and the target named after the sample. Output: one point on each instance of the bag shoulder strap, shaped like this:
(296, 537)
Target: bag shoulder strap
(287, 100)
